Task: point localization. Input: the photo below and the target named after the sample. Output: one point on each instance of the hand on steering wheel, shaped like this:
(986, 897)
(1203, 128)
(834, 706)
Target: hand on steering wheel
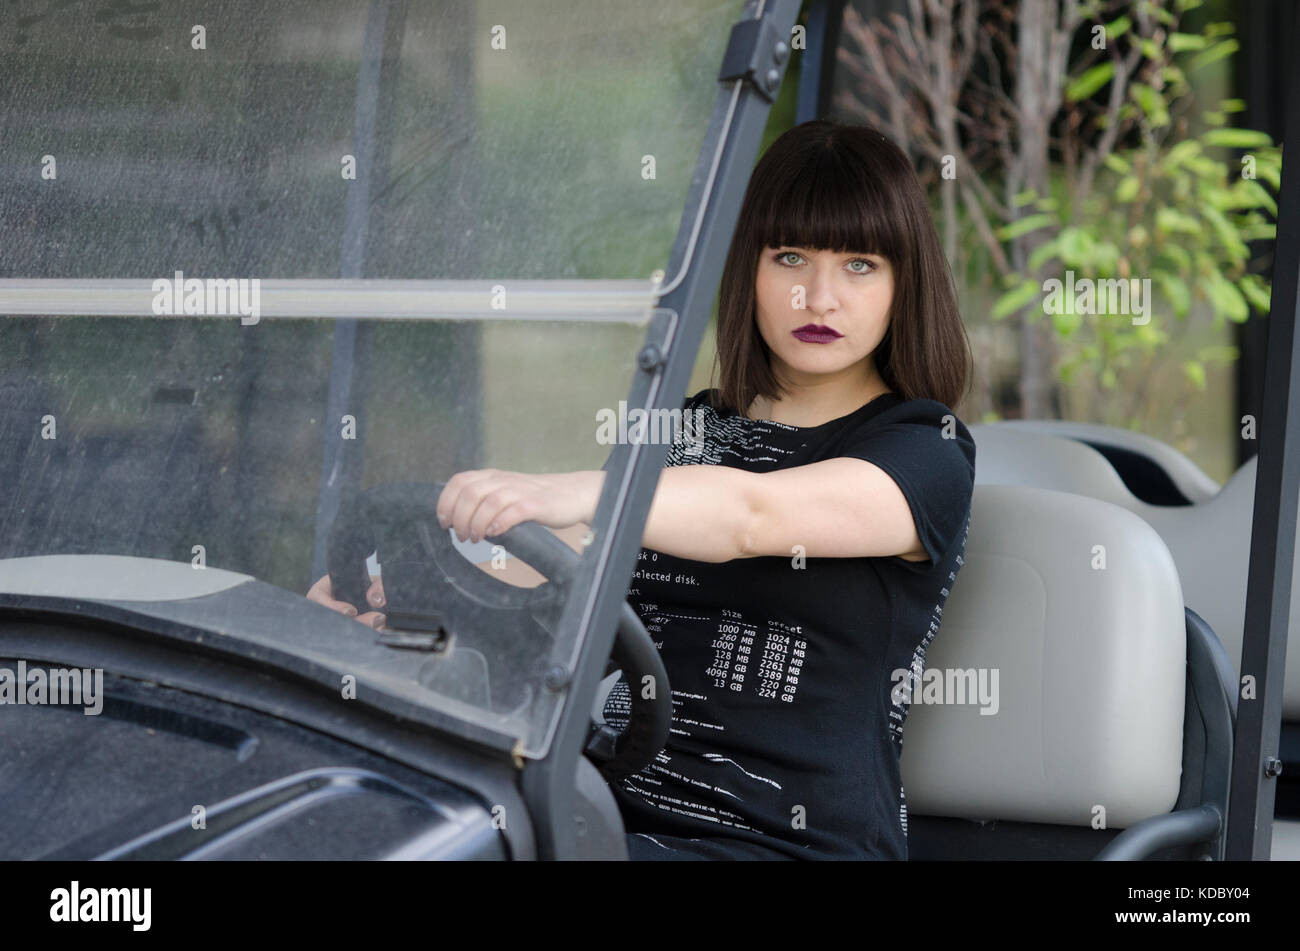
(427, 576)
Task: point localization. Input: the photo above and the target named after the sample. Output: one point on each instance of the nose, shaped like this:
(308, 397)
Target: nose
(820, 296)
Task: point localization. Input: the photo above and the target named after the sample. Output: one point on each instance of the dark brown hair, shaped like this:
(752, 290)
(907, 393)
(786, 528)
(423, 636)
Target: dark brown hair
(844, 188)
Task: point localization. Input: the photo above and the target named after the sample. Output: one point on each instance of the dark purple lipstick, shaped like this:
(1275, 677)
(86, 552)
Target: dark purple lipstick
(816, 333)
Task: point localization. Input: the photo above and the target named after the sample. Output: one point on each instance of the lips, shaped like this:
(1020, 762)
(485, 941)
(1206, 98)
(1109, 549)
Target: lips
(816, 333)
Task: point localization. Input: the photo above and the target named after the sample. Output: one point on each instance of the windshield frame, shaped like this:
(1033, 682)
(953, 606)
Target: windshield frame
(757, 47)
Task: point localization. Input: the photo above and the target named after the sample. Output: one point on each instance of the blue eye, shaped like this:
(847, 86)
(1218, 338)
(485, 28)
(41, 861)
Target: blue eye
(783, 258)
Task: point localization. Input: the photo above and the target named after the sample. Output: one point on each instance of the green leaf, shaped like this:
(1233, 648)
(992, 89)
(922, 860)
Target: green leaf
(1116, 164)
(1149, 49)
(1171, 221)
(1195, 372)
(1024, 197)
(1118, 27)
(1145, 96)
(1179, 154)
(1206, 167)
(1083, 86)
(1176, 292)
(1179, 256)
(1127, 189)
(1013, 300)
(1024, 225)
(1178, 42)
(1044, 253)
(1105, 257)
(1076, 245)
(1260, 231)
(1268, 158)
(1233, 105)
(1225, 298)
(1228, 236)
(1215, 118)
(1215, 53)
(1066, 324)
(1161, 14)
(1249, 194)
(1237, 138)
(1256, 291)
(1152, 103)
(1270, 174)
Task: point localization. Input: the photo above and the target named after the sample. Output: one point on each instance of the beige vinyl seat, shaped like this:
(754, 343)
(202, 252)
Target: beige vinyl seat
(1113, 707)
(1153, 471)
(1210, 540)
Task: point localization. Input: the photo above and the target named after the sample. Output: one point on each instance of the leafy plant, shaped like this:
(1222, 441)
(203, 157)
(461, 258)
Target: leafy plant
(1076, 143)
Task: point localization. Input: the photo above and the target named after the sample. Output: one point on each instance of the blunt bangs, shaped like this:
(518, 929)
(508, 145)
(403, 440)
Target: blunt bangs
(827, 205)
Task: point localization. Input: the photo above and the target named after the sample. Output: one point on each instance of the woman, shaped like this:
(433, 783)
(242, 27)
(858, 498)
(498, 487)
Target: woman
(797, 560)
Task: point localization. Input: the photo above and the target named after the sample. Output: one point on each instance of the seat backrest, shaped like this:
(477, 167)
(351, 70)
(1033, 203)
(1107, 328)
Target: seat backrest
(1076, 605)
(1210, 541)
(1186, 477)
(1006, 456)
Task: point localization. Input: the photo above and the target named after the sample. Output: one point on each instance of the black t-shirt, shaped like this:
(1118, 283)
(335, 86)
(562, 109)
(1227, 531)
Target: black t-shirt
(786, 736)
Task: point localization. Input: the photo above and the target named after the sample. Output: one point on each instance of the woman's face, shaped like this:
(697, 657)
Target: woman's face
(822, 313)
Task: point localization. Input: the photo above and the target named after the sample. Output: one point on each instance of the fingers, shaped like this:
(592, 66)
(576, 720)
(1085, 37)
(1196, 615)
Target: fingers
(459, 500)
(322, 592)
(484, 502)
(373, 619)
(375, 594)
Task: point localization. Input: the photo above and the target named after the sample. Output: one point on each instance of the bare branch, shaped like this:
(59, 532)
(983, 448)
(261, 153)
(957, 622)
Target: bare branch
(968, 29)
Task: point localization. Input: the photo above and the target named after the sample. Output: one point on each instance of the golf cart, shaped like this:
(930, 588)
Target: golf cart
(271, 279)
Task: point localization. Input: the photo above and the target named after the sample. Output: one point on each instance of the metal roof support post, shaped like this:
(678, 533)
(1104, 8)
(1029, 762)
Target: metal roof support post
(1255, 763)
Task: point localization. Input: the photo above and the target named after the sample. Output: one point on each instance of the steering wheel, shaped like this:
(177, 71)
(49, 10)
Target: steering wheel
(429, 585)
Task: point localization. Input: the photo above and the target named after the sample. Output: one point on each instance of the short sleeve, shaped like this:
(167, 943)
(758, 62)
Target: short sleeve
(930, 455)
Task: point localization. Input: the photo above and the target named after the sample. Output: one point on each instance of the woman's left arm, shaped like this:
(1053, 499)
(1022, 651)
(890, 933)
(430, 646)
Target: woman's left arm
(838, 508)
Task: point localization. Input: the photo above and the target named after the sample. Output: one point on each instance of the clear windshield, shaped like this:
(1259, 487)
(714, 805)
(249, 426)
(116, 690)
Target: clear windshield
(395, 211)
(337, 138)
(201, 441)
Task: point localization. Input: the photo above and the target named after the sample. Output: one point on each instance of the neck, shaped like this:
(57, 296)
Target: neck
(813, 405)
